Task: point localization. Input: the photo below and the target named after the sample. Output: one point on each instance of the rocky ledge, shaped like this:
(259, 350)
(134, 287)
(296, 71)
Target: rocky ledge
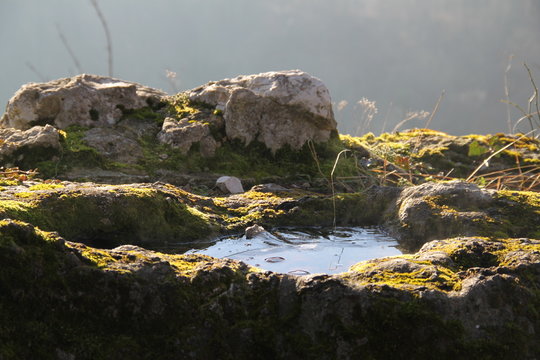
(89, 213)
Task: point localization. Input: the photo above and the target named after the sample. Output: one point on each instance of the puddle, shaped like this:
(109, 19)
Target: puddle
(303, 252)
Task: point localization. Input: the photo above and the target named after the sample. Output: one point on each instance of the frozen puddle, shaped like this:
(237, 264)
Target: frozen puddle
(304, 252)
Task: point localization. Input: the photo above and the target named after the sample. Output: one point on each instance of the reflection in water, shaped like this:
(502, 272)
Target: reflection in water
(301, 252)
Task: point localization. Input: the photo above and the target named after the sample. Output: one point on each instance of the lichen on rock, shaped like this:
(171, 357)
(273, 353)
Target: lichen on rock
(84, 270)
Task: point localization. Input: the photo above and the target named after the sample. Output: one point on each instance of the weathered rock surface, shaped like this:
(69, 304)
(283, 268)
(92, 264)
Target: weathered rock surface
(113, 144)
(139, 303)
(462, 207)
(76, 282)
(37, 139)
(275, 108)
(84, 100)
(433, 152)
(182, 134)
(230, 185)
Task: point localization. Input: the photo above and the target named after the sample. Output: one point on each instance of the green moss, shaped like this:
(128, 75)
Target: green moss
(426, 275)
(25, 195)
(131, 215)
(519, 213)
(75, 153)
(8, 182)
(45, 186)
(252, 161)
(145, 113)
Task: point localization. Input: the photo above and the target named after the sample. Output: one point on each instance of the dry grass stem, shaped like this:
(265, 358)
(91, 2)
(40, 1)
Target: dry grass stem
(435, 109)
(107, 35)
(69, 49)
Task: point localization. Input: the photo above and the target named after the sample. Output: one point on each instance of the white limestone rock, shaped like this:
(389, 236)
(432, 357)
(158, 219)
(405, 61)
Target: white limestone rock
(229, 185)
(182, 134)
(253, 231)
(38, 137)
(86, 100)
(275, 108)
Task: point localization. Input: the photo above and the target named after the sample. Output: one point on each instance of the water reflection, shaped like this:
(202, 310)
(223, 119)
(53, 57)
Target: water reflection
(301, 252)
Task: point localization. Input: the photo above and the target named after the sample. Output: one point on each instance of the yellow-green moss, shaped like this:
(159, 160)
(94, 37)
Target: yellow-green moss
(45, 186)
(428, 275)
(25, 195)
(9, 182)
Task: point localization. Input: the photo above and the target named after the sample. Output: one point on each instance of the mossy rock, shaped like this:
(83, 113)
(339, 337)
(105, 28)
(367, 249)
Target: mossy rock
(66, 299)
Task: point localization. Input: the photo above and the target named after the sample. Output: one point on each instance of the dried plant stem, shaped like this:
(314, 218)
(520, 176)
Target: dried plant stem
(332, 184)
(535, 95)
(486, 161)
(386, 116)
(435, 109)
(69, 49)
(315, 157)
(35, 71)
(507, 93)
(107, 34)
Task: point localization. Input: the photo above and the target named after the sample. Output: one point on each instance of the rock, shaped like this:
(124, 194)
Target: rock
(440, 210)
(253, 231)
(86, 100)
(271, 187)
(41, 138)
(418, 307)
(114, 144)
(230, 185)
(275, 108)
(458, 295)
(182, 134)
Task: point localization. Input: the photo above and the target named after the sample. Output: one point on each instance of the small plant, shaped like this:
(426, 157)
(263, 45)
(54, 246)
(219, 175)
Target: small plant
(368, 112)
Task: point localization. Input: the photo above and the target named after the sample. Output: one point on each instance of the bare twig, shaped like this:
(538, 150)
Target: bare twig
(486, 161)
(386, 116)
(435, 109)
(507, 93)
(313, 152)
(535, 95)
(35, 71)
(526, 115)
(332, 184)
(107, 34)
(410, 116)
(69, 49)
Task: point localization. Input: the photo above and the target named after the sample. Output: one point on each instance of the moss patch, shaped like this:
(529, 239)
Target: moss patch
(111, 217)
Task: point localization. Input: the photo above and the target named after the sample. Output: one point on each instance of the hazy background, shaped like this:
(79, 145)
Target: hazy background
(399, 53)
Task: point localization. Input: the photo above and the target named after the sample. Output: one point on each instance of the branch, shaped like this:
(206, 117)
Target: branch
(107, 34)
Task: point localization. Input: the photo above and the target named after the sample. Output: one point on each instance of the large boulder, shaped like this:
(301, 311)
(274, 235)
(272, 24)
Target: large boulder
(275, 108)
(86, 100)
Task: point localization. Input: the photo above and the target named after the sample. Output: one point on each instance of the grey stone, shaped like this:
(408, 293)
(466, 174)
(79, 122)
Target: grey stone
(183, 133)
(44, 137)
(275, 108)
(114, 144)
(86, 100)
(230, 185)
(439, 210)
(253, 231)
(270, 187)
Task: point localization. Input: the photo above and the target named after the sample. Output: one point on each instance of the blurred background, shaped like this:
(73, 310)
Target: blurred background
(383, 61)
